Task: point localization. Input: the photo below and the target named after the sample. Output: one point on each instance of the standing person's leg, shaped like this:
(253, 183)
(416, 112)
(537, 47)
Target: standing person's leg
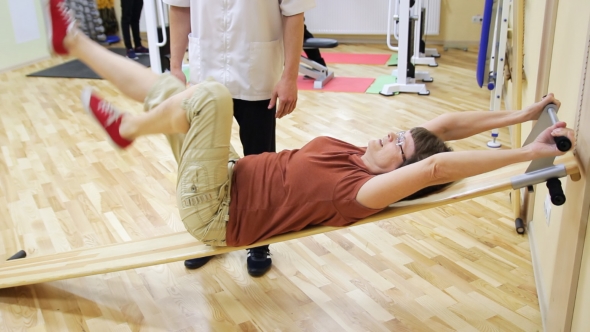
(306, 33)
(137, 8)
(258, 135)
(126, 20)
(257, 125)
(312, 54)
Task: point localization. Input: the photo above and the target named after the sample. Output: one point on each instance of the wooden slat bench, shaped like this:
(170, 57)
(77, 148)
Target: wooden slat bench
(180, 246)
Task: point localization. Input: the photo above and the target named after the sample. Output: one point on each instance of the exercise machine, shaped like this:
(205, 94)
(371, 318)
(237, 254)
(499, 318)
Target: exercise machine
(405, 72)
(319, 73)
(493, 55)
(421, 54)
(154, 13)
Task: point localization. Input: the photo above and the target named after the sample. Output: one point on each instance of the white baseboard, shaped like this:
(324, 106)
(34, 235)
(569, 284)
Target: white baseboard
(24, 64)
(382, 39)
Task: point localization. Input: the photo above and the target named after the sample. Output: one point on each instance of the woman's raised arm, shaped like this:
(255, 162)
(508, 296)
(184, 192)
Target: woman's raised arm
(388, 188)
(459, 125)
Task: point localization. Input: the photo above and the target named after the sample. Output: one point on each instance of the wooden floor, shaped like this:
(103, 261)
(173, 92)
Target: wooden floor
(460, 267)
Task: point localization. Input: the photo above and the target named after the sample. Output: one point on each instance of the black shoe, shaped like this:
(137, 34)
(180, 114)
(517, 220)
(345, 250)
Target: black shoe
(196, 263)
(259, 261)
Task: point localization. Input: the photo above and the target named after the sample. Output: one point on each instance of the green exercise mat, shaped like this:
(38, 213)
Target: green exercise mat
(392, 60)
(380, 82)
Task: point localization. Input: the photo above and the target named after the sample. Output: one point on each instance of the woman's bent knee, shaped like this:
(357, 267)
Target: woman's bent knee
(165, 87)
(208, 95)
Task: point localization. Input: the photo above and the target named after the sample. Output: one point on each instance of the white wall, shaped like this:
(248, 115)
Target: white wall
(23, 37)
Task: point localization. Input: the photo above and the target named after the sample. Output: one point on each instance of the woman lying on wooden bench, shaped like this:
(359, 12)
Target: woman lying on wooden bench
(326, 182)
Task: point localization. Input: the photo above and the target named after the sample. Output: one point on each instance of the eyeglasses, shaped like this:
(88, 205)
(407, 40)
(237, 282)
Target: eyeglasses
(401, 138)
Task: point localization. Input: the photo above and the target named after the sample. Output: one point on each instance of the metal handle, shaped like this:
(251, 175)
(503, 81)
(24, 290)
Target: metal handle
(563, 143)
(555, 191)
(391, 17)
(162, 23)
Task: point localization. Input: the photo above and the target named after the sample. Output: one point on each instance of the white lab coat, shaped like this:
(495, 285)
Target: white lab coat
(239, 42)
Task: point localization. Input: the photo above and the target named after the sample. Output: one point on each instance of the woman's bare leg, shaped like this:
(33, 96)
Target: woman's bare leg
(167, 118)
(131, 78)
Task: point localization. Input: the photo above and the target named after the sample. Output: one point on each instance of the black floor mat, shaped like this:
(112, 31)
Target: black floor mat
(76, 69)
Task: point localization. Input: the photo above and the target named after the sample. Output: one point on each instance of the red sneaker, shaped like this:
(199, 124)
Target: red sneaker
(62, 21)
(106, 115)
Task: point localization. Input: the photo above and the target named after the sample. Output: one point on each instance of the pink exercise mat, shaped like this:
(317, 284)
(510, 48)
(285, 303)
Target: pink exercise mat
(338, 84)
(354, 58)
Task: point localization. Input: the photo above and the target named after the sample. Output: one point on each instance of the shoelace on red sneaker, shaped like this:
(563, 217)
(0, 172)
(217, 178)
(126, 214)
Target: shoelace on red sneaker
(68, 14)
(112, 113)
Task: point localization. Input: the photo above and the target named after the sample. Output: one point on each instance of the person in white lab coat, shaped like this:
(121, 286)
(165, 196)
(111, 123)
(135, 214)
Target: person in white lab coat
(253, 48)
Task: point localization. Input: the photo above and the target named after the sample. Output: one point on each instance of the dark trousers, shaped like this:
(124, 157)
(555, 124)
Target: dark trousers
(130, 15)
(257, 126)
(312, 54)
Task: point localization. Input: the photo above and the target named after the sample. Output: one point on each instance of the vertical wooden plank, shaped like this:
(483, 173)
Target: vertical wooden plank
(517, 63)
(516, 75)
(546, 51)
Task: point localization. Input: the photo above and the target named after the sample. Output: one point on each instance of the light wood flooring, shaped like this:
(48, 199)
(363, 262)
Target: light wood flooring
(460, 267)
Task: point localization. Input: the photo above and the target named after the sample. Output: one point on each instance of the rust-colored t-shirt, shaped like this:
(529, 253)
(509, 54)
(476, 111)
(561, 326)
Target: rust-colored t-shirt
(275, 193)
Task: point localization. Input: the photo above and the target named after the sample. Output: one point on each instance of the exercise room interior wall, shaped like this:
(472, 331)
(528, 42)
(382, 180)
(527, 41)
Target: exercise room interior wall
(456, 26)
(568, 62)
(581, 320)
(15, 54)
(567, 67)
